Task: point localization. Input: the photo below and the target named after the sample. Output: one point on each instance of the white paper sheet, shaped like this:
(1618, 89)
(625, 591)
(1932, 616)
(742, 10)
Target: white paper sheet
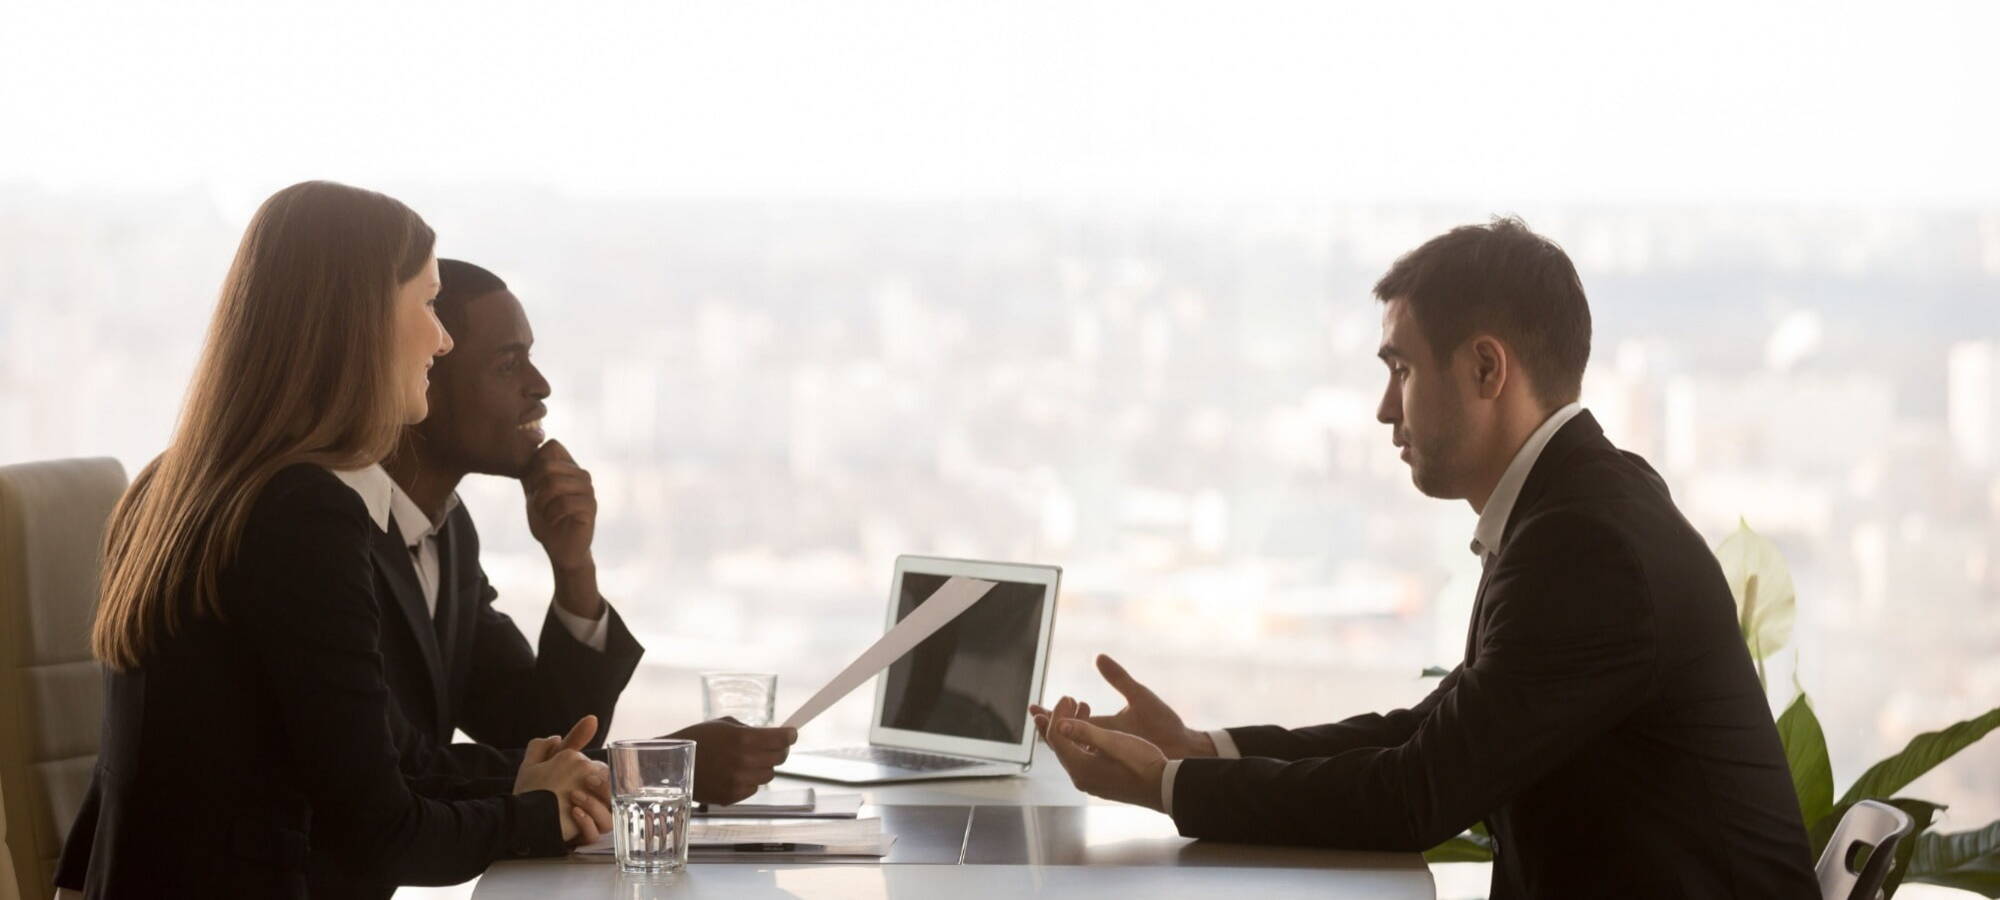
(956, 596)
(829, 806)
(766, 800)
(710, 841)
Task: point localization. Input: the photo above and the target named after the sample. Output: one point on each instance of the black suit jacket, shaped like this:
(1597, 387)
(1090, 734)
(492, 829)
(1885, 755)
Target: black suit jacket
(245, 745)
(469, 667)
(1607, 723)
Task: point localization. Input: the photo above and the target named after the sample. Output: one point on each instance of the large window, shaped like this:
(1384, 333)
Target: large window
(924, 293)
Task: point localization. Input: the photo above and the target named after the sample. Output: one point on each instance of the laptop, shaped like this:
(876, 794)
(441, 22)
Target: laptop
(956, 705)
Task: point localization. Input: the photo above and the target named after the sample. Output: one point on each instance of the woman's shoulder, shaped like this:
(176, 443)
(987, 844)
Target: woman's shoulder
(306, 491)
(305, 523)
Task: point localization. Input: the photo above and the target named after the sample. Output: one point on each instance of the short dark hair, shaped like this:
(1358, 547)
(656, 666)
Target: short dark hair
(460, 281)
(1505, 280)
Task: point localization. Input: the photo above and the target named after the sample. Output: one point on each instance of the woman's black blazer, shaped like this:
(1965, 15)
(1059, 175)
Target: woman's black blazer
(242, 743)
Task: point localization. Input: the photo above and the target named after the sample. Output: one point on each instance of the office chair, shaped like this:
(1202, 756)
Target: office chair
(52, 518)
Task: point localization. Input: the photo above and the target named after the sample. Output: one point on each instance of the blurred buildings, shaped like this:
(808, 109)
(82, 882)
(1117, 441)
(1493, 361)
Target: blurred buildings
(1175, 403)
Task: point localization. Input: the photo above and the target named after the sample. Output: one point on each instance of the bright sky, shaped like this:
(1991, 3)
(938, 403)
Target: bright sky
(1817, 103)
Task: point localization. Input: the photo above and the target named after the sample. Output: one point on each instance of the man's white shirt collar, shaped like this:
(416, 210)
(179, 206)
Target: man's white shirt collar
(1493, 520)
(410, 518)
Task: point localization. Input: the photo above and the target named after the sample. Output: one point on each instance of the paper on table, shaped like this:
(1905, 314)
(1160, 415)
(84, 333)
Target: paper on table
(843, 831)
(875, 847)
(848, 837)
(956, 596)
(764, 800)
(827, 806)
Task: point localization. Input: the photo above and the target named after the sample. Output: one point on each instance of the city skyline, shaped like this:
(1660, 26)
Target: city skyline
(1174, 402)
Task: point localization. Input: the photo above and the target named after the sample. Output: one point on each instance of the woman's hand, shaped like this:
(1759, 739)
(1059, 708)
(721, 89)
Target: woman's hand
(582, 785)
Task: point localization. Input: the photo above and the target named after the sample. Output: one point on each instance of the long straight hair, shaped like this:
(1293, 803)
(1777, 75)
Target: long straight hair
(298, 366)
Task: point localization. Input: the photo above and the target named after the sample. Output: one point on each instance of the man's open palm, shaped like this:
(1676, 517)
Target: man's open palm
(1145, 715)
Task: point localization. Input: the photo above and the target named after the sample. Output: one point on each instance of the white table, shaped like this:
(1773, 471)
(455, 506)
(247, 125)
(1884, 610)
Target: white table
(1055, 840)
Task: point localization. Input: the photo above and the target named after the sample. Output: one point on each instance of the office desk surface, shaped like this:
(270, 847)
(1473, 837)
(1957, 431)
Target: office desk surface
(1029, 836)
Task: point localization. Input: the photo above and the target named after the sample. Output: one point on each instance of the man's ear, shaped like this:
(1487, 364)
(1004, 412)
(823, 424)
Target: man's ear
(1491, 365)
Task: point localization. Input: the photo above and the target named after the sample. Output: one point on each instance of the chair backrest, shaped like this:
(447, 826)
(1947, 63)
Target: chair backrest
(10, 889)
(52, 518)
(1871, 824)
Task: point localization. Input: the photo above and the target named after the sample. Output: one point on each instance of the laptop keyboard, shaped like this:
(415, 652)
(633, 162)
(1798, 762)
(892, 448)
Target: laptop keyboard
(902, 759)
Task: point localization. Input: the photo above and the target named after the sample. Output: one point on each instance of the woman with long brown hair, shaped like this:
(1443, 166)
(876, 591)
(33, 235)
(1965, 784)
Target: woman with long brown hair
(247, 720)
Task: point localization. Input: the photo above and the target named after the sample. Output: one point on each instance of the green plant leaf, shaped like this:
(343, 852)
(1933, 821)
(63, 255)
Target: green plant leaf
(1762, 585)
(1922, 811)
(1923, 753)
(1434, 672)
(1805, 752)
(1472, 846)
(1967, 860)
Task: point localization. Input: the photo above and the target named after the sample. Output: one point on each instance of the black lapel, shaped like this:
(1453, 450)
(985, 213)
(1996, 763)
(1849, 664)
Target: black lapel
(393, 560)
(1579, 431)
(448, 614)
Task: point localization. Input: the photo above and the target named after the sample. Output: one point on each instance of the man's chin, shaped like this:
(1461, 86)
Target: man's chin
(1428, 484)
(518, 469)
(514, 468)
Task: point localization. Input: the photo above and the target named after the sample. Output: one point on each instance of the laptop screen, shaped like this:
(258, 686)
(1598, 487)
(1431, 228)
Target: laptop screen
(973, 677)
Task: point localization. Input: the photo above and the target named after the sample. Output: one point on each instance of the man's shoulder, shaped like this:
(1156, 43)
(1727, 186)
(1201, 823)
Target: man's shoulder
(1569, 531)
(1608, 509)
(458, 523)
(1600, 486)
(458, 540)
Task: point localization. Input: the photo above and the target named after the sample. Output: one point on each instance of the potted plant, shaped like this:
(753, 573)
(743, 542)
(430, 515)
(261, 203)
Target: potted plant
(1765, 608)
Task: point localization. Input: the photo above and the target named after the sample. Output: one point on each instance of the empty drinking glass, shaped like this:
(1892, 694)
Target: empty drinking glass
(749, 697)
(652, 785)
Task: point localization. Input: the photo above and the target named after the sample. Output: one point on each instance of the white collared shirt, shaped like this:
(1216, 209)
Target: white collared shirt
(1485, 543)
(385, 498)
(420, 536)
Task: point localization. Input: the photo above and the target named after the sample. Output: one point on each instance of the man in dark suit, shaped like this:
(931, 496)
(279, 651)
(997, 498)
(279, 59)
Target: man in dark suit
(1606, 723)
(453, 661)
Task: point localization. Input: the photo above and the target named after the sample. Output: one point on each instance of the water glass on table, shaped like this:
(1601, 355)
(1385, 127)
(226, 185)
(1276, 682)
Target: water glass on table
(748, 697)
(652, 790)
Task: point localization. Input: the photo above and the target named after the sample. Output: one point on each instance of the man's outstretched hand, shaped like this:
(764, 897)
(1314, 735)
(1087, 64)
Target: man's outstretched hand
(1102, 762)
(732, 760)
(1145, 716)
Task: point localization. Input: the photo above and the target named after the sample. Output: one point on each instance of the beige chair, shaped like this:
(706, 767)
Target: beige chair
(52, 517)
(9, 888)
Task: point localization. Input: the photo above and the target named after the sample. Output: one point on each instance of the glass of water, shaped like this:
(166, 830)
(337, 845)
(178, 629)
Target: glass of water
(749, 697)
(652, 786)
